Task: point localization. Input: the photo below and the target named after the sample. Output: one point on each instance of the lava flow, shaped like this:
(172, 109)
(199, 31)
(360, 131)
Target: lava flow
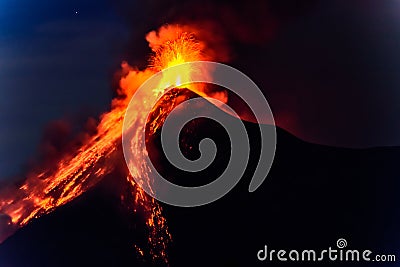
(75, 173)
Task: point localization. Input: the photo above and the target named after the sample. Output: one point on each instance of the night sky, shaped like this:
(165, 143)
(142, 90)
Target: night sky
(328, 68)
(55, 63)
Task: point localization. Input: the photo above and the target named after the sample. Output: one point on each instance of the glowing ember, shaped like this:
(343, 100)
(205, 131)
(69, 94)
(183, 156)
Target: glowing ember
(75, 173)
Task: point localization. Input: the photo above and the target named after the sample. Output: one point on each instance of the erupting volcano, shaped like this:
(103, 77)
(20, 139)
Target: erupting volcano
(42, 192)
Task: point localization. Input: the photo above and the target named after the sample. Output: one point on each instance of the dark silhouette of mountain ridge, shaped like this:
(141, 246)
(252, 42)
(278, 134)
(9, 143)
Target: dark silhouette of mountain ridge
(313, 196)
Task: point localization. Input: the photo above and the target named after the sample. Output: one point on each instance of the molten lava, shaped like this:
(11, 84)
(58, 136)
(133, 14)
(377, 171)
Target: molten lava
(77, 172)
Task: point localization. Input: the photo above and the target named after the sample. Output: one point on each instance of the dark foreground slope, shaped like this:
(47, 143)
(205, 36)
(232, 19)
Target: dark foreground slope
(313, 196)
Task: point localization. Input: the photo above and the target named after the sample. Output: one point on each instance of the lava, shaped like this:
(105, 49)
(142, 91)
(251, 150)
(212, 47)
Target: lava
(75, 173)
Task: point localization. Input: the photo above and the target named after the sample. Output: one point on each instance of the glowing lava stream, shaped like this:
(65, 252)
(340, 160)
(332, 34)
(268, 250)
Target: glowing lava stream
(75, 173)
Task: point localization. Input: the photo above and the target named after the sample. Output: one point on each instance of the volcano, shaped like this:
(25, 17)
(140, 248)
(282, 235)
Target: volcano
(313, 196)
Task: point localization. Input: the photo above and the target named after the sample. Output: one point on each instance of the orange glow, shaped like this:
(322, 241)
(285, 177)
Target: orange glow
(77, 172)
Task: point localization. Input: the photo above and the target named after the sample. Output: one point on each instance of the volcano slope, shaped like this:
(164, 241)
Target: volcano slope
(313, 196)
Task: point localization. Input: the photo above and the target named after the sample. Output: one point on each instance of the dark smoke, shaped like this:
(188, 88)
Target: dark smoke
(219, 22)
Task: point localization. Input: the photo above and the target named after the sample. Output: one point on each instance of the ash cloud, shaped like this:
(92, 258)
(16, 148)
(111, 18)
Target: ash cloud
(222, 24)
